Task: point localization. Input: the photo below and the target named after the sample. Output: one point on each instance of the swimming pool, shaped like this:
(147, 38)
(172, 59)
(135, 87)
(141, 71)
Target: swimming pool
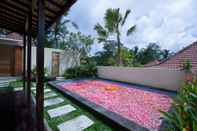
(138, 104)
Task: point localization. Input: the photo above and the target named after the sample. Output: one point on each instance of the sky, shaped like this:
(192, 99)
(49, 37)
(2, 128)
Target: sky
(170, 23)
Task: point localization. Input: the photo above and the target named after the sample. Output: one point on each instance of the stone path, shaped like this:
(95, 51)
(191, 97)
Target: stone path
(77, 124)
(45, 91)
(61, 111)
(18, 89)
(50, 94)
(54, 101)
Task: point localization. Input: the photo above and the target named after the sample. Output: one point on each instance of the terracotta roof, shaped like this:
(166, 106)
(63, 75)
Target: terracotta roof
(176, 61)
(13, 39)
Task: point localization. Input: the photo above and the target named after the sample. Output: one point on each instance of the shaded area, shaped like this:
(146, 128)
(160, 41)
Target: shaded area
(14, 113)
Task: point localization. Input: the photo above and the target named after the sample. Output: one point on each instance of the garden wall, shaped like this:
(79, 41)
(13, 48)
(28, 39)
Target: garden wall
(155, 77)
(66, 59)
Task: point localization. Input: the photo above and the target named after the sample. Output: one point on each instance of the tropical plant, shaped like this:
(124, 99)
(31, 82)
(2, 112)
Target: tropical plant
(83, 71)
(114, 22)
(78, 45)
(150, 53)
(46, 72)
(57, 35)
(187, 65)
(183, 116)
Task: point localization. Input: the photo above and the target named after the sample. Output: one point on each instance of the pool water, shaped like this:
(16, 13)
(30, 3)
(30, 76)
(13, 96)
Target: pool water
(141, 105)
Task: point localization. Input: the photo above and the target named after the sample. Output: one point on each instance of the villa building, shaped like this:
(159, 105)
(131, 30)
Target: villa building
(176, 61)
(11, 57)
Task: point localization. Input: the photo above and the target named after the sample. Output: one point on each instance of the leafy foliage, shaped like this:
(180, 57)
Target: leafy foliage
(79, 45)
(150, 53)
(187, 65)
(56, 37)
(114, 22)
(83, 71)
(184, 115)
(130, 57)
(46, 72)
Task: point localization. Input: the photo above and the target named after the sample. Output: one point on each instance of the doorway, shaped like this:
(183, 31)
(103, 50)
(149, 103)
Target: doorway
(55, 63)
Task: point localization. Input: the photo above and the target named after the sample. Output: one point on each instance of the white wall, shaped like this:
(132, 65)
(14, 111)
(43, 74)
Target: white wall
(66, 59)
(154, 77)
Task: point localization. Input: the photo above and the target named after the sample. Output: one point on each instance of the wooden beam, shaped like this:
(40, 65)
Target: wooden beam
(60, 13)
(40, 67)
(29, 46)
(14, 28)
(24, 62)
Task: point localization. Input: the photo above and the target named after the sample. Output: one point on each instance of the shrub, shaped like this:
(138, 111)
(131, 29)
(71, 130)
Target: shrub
(187, 65)
(83, 71)
(46, 72)
(183, 116)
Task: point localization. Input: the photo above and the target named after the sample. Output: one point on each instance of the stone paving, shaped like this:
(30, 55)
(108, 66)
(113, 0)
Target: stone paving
(50, 94)
(18, 89)
(61, 111)
(77, 124)
(53, 101)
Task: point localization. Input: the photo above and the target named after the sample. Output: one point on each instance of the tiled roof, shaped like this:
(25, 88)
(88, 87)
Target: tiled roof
(12, 39)
(176, 61)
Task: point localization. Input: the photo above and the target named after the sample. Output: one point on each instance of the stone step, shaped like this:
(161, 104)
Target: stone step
(45, 91)
(54, 101)
(62, 110)
(50, 94)
(18, 89)
(77, 124)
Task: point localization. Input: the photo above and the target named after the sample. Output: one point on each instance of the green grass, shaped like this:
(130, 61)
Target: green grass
(53, 122)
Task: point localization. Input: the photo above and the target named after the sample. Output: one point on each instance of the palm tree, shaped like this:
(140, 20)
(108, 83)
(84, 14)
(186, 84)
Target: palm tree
(114, 21)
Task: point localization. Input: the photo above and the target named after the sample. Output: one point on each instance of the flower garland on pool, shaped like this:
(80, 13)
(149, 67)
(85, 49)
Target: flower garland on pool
(135, 104)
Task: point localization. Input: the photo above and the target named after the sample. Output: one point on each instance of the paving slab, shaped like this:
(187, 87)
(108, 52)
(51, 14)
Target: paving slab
(18, 89)
(50, 94)
(45, 91)
(54, 101)
(61, 111)
(77, 124)
(33, 88)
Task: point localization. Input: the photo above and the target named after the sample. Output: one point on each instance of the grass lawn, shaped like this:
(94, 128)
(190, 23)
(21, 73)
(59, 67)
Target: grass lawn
(53, 122)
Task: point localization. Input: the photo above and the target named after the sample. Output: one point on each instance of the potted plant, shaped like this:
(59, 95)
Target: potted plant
(187, 66)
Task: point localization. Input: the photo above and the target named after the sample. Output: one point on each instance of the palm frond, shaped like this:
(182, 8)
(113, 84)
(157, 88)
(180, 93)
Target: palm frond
(100, 30)
(75, 25)
(112, 19)
(125, 17)
(131, 30)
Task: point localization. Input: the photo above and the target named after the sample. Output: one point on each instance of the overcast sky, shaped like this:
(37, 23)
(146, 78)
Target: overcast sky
(170, 23)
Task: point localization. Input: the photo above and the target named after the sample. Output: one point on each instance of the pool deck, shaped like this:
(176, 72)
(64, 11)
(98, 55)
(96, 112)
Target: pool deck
(122, 122)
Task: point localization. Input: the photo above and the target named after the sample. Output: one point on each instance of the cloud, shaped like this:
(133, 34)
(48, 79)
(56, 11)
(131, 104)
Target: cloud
(172, 24)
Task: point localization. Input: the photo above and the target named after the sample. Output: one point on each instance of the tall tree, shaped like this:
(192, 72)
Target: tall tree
(114, 22)
(57, 35)
(150, 53)
(79, 45)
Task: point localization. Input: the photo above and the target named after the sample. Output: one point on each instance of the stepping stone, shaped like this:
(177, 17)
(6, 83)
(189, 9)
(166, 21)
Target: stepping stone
(61, 111)
(45, 91)
(50, 94)
(34, 84)
(54, 101)
(33, 88)
(18, 89)
(77, 124)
